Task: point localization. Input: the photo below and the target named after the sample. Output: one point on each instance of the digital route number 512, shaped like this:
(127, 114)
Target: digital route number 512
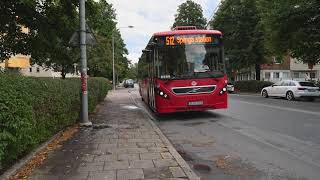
(169, 40)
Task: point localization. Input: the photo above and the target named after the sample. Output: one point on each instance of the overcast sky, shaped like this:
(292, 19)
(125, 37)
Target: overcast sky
(148, 17)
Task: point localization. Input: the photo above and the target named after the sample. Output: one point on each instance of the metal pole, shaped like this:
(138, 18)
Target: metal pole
(113, 70)
(84, 121)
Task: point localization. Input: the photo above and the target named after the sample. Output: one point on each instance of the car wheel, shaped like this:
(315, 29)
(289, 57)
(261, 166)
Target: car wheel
(289, 96)
(265, 94)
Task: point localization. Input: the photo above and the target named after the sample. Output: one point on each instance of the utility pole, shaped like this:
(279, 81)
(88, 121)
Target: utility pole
(113, 73)
(84, 121)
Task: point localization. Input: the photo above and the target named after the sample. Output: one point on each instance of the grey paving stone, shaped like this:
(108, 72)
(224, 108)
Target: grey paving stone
(106, 146)
(76, 176)
(128, 145)
(117, 150)
(145, 156)
(103, 175)
(92, 166)
(102, 158)
(157, 173)
(87, 157)
(177, 172)
(166, 155)
(113, 165)
(45, 176)
(122, 157)
(136, 150)
(158, 149)
(165, 162)
(141, 164)
(130, 174)
(146, 144)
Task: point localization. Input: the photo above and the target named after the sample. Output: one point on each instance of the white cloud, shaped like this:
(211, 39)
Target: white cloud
(148, 17)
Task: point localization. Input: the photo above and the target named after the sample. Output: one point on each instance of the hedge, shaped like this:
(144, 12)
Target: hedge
(251, 86)
(34, 109)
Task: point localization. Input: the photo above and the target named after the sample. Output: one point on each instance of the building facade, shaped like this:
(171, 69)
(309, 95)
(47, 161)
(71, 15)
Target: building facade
(283, 69)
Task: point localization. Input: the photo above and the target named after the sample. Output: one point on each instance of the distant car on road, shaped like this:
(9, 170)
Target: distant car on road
(230, 87)
(128, 83)
(292, 89)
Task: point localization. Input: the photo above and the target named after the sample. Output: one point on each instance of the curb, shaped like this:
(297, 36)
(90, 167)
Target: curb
(22, 162)
(182, 163)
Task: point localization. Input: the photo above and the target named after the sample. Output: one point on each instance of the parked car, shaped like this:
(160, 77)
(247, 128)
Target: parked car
(230, 87)
(292, 89)
(128, 83)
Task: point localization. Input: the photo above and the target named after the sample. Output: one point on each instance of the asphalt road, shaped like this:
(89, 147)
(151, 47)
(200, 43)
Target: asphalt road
(255, 138)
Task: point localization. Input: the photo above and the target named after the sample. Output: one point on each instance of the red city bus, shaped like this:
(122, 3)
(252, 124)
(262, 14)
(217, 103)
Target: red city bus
(183, 70)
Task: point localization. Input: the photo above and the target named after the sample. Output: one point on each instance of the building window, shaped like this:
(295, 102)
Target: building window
(38, 69)
(30, 69)
(267, 75)
(312, 75)
(276, 75)
(296, 75)
(285, 75)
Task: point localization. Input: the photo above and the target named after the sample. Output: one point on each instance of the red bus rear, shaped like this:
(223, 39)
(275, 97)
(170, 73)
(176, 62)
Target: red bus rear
(183, 70)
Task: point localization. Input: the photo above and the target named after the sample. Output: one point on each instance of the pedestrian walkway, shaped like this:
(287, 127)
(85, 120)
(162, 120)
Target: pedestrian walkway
(122, 145)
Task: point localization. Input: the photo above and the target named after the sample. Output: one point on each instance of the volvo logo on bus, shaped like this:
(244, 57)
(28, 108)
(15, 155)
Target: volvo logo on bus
(193, 83)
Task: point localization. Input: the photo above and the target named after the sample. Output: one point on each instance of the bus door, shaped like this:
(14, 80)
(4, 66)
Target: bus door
(151, 87)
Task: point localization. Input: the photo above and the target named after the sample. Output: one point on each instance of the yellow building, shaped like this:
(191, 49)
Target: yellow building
(17, 61)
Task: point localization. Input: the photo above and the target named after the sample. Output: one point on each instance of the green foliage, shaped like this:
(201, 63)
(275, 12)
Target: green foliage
(292, 26)
(252, 86)
(133, 71)
(240, 22)
(190, 14)
(51, 24)
(33, 109)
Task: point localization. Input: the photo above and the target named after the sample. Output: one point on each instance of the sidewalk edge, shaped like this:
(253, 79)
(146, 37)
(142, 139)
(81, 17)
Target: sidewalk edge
(182, 163)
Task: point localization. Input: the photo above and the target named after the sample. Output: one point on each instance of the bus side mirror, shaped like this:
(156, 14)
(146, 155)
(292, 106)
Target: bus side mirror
(148, 54)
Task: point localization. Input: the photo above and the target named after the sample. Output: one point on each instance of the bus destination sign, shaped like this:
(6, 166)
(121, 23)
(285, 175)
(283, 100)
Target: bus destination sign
(188, 40)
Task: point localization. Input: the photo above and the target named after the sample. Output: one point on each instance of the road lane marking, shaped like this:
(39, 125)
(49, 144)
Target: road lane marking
(281, 108)
(262, 141)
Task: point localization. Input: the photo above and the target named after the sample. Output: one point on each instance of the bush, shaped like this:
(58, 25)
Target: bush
(252, 86)
(33, 109)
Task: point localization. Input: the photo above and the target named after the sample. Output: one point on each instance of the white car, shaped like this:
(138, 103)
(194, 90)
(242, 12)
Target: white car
(292, 89)
(230, 87)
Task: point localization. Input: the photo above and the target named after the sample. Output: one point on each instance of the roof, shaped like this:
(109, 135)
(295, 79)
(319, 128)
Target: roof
(186, 32)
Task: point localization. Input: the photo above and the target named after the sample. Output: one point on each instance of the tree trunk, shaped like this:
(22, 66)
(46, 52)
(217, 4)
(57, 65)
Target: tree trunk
(258, 69)
(63, 73)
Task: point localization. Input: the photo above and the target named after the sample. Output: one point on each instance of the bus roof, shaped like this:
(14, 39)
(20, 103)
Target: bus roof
(185, 32)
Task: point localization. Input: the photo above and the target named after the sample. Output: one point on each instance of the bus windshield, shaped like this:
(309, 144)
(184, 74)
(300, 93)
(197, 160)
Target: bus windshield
(190, 61)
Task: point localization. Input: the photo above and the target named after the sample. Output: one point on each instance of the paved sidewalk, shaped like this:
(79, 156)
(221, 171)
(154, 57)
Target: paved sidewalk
(122, 145)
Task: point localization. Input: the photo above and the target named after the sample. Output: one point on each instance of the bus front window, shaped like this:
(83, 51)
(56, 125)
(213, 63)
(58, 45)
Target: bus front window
(190, 61)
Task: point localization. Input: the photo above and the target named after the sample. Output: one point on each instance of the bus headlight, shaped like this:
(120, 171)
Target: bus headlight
(161, 93)
(224, 90)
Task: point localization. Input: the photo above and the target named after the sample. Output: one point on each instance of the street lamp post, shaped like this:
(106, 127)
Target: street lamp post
(83, 58)
(113, 69)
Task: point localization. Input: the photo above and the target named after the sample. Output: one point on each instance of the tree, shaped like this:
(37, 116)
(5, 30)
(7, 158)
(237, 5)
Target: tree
(190, 14)
(133, 71)
(50, 25)
(102, 19)
(293, 27)
(240, 23)
(15, 15)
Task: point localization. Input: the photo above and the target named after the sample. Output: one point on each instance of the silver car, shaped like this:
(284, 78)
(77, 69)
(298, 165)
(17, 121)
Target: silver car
(292, 89)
